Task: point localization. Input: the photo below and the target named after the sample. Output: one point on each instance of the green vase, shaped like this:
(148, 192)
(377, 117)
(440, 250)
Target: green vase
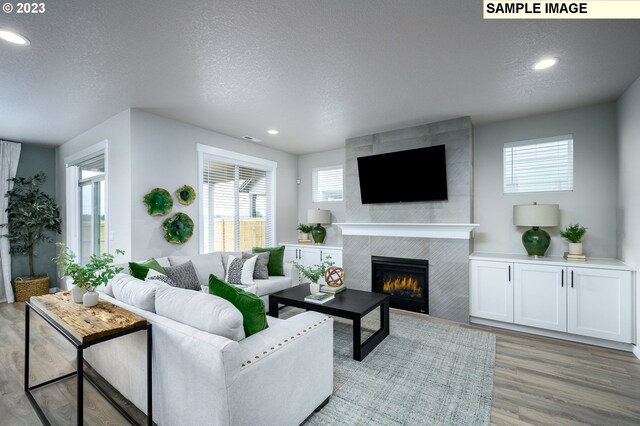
(536, 241)
(318, 233)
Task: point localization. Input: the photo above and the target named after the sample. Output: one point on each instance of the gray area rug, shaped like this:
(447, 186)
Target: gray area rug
(423, 373)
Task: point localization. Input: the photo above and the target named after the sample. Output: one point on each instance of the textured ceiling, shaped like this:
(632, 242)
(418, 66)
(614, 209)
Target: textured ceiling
(318, 71)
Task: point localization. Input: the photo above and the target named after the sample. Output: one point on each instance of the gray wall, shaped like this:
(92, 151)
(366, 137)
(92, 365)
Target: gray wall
(628, 181)
(34, 159)
(117, 131)
(448, 259)
(164, 155)
(306, 164)
(591, 203)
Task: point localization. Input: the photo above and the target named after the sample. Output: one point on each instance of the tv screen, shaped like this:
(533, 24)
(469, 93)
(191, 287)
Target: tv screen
(404, 176)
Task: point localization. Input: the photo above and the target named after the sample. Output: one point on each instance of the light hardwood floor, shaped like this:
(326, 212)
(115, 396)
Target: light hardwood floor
(537, 381)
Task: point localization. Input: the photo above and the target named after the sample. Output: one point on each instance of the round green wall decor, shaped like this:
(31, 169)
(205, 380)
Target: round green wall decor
(186, 195)
(178, 228)
(158, 202)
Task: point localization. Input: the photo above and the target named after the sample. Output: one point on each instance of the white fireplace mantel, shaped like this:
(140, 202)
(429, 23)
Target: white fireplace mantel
(458, 231)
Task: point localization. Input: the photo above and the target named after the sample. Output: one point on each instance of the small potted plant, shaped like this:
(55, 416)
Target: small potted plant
(304, 231)
(97, 271)
(315, 272)
(574, 233)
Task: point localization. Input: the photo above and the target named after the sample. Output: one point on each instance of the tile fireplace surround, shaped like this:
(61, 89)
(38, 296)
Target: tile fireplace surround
(439, 232)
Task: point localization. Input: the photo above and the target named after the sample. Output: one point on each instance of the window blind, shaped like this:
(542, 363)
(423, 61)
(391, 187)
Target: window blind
(236, 206)
(539, 165)
(327, 184)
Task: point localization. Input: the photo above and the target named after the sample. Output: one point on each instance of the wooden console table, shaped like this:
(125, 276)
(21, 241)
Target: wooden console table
(84, 327)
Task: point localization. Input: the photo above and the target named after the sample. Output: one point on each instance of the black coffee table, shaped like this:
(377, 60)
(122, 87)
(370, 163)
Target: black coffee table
(350, 304)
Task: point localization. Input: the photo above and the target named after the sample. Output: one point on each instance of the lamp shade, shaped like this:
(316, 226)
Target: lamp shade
(318, 216)
(536, 215)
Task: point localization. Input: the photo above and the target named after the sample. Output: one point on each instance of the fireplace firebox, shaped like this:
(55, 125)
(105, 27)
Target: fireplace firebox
(405, 280)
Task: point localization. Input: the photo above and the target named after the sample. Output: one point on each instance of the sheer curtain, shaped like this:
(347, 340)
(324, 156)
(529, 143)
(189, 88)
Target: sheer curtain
(9, 155)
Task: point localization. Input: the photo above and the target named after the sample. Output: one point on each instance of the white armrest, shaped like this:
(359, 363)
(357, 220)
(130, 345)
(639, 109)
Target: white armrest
(290, 271)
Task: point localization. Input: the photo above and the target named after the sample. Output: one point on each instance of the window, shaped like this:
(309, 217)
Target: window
(237, 201)
(539, 165)
(87, 202)
(92, 208)
(327, 184)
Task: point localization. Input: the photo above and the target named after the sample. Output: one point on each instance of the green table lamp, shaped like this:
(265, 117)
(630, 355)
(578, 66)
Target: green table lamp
(536, 241)
(319, 217)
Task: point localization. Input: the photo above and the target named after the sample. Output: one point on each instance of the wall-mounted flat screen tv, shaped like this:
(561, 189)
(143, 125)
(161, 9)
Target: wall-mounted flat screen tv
(404, 176)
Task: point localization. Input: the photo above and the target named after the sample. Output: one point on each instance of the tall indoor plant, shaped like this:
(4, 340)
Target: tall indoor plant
(97, 271)
(32, 218)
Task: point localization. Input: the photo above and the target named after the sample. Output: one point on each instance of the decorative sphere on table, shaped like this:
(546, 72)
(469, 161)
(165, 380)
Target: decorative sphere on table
(334, 276)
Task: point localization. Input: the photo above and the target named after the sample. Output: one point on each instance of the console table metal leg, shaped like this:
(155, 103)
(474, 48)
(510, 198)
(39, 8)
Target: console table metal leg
(149, 377)
(80, 386)
(26, 348)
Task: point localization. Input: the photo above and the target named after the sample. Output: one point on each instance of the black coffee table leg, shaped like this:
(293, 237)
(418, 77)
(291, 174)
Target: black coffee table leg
(273, 307)
(357, 332)
(361, 350)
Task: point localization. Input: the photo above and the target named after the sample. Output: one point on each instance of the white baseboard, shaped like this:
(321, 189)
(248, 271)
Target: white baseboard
(636, 351)
(628, 347)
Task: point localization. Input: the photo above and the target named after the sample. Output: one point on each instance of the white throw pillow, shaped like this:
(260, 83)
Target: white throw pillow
(159, 278)
(205, 312)
(240, 271)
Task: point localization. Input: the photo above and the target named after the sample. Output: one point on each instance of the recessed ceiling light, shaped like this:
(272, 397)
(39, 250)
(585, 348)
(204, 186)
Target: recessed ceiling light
(545, 63)
(13, 37)
(273, 131)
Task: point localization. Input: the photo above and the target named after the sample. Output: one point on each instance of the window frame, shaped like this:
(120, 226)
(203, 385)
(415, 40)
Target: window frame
(314, 183)
(206, 152)
(72, 193)
(571, 180)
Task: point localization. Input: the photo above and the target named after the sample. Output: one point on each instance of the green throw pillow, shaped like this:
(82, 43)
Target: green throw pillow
(276, 259)
(140, 270)
(254, 317)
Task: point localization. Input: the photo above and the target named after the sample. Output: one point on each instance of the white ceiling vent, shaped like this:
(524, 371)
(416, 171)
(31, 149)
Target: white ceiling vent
(251, 138)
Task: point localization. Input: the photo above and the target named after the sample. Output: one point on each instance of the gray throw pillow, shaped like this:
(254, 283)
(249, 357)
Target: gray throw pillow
(183, 276)
(261, 271)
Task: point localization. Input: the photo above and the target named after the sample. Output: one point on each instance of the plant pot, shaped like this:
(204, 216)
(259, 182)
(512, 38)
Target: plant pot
(90, 299)
(77, 293)
(575, 248)
(314, 288)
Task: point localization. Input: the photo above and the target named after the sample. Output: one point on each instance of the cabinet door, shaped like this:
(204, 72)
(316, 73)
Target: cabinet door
(540, 296)
(600, 303)
(491, 290)
(290, 254)
(336, 255)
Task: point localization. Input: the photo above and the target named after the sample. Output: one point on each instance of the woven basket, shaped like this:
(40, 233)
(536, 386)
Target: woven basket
(25, 287)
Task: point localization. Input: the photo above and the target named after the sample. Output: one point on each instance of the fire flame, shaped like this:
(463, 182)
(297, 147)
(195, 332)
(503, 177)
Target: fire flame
(402, 285)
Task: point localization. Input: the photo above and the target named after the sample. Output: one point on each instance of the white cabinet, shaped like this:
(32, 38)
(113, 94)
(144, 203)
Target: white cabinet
(492, 290)
(540, 296)
(309, 255)
(600, 303)
(593, 299)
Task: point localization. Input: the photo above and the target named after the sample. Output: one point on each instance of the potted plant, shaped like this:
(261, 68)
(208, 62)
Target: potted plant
(315, 272)
(304, 231)
(97, 271)
(574, 234)
(32, 216)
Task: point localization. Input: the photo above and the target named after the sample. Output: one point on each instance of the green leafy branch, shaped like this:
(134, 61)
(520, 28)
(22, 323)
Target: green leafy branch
(574, 233)
(98, 271)
(315, 272)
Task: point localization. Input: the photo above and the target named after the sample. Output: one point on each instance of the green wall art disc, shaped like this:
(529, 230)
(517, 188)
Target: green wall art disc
(158, 202)
(186, 195)
(178, 228)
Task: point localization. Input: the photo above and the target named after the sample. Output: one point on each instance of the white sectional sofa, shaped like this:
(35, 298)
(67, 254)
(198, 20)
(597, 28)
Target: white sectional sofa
(277, 376)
